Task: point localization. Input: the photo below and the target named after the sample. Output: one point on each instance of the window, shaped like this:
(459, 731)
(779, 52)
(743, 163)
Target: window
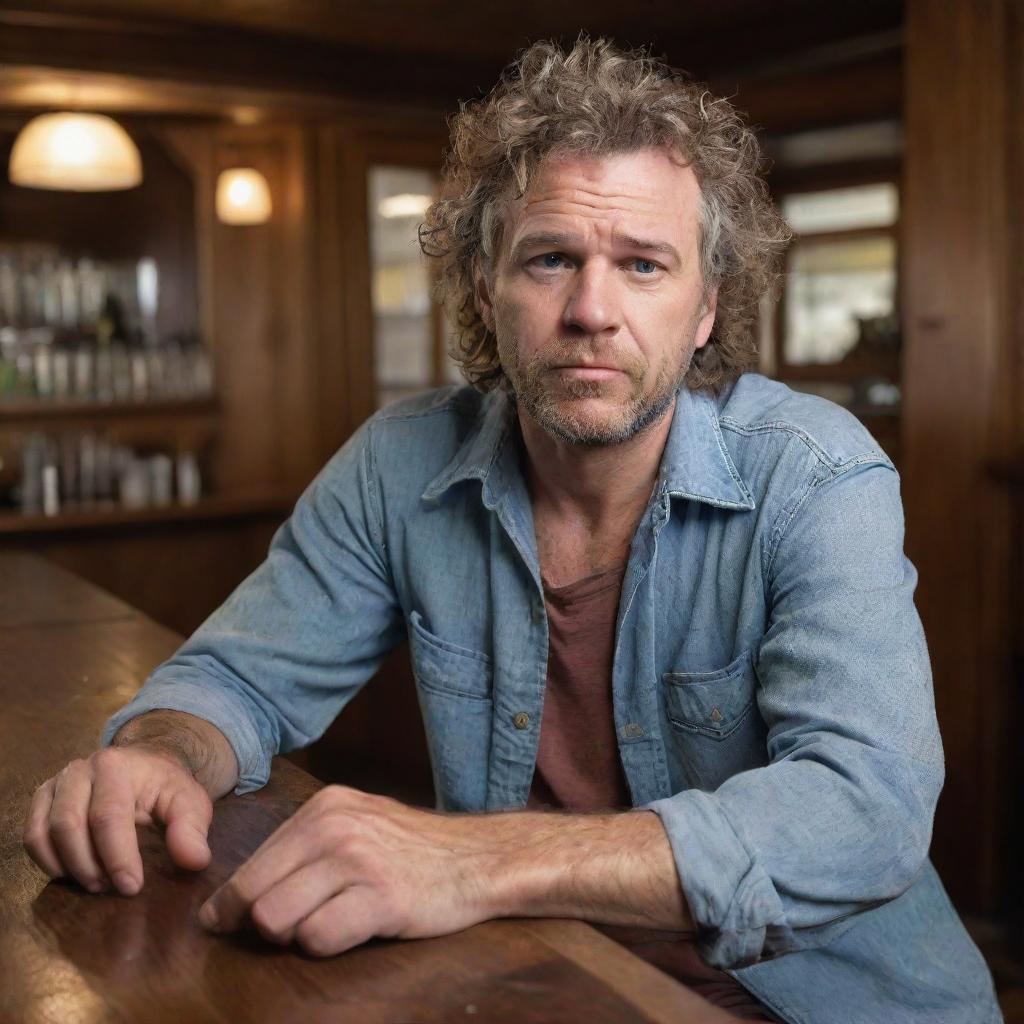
(410, 336)
(840, 303)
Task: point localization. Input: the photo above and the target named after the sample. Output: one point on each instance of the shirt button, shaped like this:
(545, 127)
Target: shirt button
(537, 611)
(632, 731)
(522, 720)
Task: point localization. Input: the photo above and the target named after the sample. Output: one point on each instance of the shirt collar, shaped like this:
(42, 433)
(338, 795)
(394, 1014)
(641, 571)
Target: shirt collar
(489, 454)
(696, 463)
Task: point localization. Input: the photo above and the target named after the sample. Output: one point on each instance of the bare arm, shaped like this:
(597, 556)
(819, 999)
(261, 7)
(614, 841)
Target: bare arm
(607, 868)
(349, 866)
(201, 747)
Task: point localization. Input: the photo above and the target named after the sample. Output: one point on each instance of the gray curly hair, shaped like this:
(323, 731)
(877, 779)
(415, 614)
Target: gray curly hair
(598, 99)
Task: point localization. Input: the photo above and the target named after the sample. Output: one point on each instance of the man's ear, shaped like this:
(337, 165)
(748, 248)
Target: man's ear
(707, 318)
(482, 298)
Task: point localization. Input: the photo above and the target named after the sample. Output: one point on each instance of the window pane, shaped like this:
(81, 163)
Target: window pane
(830, 289)
(400, 281)
(842, 209)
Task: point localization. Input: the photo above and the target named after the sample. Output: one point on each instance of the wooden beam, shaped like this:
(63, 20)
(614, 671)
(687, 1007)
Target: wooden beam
(236, 56)
(961, 406)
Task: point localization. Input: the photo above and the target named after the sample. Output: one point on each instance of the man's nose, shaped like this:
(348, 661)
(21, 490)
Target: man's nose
(592, 306)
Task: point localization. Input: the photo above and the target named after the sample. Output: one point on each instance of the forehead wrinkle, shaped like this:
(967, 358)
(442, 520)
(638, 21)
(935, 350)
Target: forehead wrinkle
(611, 202)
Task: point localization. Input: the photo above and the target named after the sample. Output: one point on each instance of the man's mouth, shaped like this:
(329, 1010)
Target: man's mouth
(580, 371)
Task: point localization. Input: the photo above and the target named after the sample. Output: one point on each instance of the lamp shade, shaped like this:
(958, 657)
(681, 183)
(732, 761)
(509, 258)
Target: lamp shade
(243, 196)
(76, 153)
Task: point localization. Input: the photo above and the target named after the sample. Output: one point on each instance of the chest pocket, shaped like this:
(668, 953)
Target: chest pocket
(453, 684)
(715, 728)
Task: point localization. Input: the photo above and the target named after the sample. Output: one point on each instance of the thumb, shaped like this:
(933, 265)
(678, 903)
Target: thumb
(187, 816)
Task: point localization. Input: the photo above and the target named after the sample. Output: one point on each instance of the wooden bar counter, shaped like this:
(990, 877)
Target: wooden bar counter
(70, 655)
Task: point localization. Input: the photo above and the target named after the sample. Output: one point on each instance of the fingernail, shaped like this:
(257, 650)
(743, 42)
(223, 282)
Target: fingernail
(94, 887)
(126, 883)
(208, 916)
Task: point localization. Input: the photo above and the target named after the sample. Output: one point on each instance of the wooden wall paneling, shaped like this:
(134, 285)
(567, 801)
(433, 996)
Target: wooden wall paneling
(331, 393)
(177, 573)
(346, 387)
(1014, 390)
(191, 145)
(298, 371)
(247, 269)
(258, 304)
(1012, 767)
(960, 403)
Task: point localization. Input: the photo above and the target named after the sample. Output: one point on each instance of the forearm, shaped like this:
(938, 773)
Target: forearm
(201, 747)
(605, 868)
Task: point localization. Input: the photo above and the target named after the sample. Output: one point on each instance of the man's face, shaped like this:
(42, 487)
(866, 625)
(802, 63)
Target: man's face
(596, 296)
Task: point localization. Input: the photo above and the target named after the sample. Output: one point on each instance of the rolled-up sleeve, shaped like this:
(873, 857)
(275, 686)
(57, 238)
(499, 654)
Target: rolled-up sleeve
(294, 643)
(780, 857)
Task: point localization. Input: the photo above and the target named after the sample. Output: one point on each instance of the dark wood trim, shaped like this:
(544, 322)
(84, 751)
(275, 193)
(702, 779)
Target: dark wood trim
(846, 234)
(178, 49)
(60, 411)
(860, 91)
(215, 507)
(819, 178)
(961, 409)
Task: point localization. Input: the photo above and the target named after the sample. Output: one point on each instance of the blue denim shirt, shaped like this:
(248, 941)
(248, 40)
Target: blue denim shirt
(771, 688)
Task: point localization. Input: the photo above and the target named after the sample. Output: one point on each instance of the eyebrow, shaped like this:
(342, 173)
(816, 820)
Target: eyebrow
(560, 238)
(648, 245)
(541, 238)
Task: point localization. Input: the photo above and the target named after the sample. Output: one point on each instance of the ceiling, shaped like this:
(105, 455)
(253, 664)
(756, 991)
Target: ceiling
(707, 33)
(428, 52)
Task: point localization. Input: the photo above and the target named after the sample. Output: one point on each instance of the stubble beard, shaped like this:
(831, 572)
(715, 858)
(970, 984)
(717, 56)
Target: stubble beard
(555, 403)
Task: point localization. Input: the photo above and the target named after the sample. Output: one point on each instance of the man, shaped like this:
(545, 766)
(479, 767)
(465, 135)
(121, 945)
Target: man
(632, 576)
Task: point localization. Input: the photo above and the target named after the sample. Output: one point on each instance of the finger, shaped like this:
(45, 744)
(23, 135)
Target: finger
(37, 840)
(278, 912)
(349, 919)
(186, 809)
(288, 849)
(69, 826)
(228, 907)
(112, 822)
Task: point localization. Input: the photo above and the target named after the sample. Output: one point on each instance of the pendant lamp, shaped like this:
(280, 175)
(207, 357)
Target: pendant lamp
(76, 153)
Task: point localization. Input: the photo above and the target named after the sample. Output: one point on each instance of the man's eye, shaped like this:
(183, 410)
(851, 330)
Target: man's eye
(645, 266)
(550, 260)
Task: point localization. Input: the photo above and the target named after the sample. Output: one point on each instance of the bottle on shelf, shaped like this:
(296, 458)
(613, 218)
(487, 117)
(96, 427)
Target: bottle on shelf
(87, 330)
(89, 470)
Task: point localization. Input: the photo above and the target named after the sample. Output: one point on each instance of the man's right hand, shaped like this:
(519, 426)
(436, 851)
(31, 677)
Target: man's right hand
(82, 821)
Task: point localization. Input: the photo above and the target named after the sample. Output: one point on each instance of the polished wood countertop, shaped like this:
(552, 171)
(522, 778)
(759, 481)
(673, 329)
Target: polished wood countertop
(70, 655)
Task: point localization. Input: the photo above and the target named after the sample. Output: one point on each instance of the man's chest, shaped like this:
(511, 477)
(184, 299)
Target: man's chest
(571, 549)
(690, 615)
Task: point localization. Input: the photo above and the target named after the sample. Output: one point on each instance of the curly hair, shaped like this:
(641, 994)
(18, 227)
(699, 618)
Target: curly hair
(595, 100)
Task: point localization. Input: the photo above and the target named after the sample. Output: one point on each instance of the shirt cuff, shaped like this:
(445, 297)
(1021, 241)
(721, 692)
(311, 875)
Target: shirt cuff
(735, 907)
(213, 706)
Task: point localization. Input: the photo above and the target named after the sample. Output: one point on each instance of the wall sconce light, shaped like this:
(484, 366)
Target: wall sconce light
(243, 197)
(75, 153)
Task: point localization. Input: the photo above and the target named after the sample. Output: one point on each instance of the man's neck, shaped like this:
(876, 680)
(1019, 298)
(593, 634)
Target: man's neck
(588, 501)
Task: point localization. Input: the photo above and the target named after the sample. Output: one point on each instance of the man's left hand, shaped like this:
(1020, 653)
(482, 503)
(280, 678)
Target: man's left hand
(350, 866)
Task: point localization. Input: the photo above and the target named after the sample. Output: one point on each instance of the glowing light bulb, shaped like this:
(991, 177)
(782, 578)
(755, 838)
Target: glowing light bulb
(243, 196)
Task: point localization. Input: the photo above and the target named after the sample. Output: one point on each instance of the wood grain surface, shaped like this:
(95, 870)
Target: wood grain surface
(69, 656)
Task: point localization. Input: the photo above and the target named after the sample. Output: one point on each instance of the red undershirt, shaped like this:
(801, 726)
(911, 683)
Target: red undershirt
(579, 769)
